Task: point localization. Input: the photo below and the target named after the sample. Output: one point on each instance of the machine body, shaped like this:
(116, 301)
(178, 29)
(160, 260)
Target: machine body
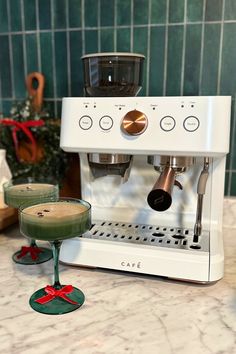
(180, 136)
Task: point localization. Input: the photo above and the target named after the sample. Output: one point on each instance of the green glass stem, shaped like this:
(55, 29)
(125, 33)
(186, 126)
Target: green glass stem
(33, 243)
(56, 245)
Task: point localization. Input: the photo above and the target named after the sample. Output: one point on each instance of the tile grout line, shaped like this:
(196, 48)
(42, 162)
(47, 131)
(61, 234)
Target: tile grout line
(68, 50)
(131, 25)
(172, 24)
(83, 26)
(184, 49)
(115, 26)
(38, 37)
(11, 51)
(53, 59)
(148, 46)
(166, 48)
(99, 24)
(25, 64)
(221, 47)
(202, 48)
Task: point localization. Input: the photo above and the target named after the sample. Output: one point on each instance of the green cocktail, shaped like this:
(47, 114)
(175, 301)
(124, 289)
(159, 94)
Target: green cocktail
(54, 222)
(30, 191)
(15, 195)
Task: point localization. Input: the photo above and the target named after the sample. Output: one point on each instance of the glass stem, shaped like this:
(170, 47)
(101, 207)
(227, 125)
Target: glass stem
(56, 245)
(33, 243)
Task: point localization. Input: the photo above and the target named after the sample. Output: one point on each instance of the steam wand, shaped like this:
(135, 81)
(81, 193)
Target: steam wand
(201, 189)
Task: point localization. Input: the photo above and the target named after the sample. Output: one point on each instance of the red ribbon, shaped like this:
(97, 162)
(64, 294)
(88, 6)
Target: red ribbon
(34, 252)
(24, 126)
(52, 293)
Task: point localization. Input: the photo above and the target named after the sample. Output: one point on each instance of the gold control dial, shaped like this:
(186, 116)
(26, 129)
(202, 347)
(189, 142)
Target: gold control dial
(134, 123)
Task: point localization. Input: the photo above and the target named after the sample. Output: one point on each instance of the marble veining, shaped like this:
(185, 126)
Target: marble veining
(123, 312)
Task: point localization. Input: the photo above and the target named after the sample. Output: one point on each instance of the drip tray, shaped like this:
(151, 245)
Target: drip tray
(156, 236)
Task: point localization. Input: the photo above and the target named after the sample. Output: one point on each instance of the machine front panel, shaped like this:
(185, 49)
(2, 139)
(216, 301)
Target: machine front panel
(197, 126)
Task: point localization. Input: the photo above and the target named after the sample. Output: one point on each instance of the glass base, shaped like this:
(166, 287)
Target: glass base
(42, 257)
(57, 306)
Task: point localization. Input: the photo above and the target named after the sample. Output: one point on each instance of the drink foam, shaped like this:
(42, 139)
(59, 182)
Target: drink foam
(54, 211)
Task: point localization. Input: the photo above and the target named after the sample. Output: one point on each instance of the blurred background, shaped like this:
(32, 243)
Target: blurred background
(190, 48)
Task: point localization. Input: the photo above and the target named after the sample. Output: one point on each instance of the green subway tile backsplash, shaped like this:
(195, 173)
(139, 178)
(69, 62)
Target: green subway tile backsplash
(157, 58)
(91, 41)
(213, 10)
(107, 9)
(140, 12)
(194, 10)
(31, 52)
(192, 59)
(158, 11)
(123, 12)
(6, 106)
(18, 65)
(228, 84)
(3, 17)
(140, 46)
(230, 10)
(76, 73)
(5, 67)
(176, 10)
(91, 13)
(211, 48)
(61, 64)
(44, 11)
(59, 13)
(174, 60)
(29, 15)
(47, 62)
(123, 40)
(15, 15)
(189, 45)
(74, 9)
(107, 40)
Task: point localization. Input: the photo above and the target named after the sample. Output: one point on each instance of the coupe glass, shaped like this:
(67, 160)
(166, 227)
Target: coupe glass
(54, 222)
(30, 190)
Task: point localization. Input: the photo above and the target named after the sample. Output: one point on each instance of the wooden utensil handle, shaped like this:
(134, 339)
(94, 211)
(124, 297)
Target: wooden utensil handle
(35, 93)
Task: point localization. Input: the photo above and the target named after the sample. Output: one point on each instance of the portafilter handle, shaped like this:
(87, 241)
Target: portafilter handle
(160, 198)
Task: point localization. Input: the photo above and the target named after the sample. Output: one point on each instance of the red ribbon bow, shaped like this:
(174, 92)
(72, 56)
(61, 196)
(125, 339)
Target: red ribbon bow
(34, 252)
(52, 293)
(24, 126)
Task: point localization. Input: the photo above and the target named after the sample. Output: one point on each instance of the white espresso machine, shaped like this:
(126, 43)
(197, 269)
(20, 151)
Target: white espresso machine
(153, 169)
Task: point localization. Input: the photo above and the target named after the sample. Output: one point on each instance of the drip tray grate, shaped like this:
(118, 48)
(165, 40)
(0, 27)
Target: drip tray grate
(157, 236)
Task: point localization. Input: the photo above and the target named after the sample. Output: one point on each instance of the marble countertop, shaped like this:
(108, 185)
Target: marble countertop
(123, 312)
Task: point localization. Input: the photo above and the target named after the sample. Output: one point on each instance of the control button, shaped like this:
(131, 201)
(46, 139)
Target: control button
(191, 123)
(106, 123)
(167, 123)
(134, 123)
(85, 122)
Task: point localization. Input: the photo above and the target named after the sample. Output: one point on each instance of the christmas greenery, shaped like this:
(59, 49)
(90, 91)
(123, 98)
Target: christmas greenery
(51, 160)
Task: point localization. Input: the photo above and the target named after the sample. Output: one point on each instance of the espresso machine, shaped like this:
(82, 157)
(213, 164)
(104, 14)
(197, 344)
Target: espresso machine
(153, 170)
